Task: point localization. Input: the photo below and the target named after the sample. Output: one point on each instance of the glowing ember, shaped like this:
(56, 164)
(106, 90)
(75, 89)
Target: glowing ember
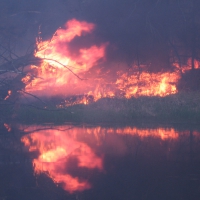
(159, 84)
(162, 133)
(8, 95)
(8, 127)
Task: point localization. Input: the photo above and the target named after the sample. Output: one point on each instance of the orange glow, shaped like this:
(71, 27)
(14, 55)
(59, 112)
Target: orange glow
(55, 150)
(59, 64)
(8, 95)
(148, 84)
(26, 79)
(62, 72)
(8, 127)
(57, 146)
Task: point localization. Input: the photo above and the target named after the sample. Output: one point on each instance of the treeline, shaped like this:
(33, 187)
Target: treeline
(154, 32)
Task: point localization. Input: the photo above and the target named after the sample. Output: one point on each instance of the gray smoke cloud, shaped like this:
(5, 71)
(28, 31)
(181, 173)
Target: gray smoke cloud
(137, 30)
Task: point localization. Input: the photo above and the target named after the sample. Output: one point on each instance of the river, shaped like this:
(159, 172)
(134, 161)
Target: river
(101, 162)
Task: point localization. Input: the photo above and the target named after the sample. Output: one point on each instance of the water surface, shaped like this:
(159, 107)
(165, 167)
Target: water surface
(99, 162)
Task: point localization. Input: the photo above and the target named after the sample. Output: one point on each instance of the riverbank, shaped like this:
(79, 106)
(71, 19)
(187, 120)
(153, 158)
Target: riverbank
(178, 108)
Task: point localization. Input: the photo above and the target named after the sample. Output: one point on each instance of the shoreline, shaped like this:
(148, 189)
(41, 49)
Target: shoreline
(177, 108)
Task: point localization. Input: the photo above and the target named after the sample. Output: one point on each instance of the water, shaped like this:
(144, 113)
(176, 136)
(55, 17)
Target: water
(83, 162)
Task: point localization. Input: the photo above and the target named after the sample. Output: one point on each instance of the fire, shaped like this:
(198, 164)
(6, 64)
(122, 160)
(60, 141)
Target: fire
(55, 151)
(57, 48)
(148, 84)
(59, 65)
(63, 72)
(8, 95)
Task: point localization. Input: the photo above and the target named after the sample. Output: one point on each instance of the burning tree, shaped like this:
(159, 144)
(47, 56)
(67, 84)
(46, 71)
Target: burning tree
(50, 60)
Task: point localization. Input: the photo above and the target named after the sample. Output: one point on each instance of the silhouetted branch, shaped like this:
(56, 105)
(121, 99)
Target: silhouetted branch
(32, 96)
(19, 62)
(65, 66)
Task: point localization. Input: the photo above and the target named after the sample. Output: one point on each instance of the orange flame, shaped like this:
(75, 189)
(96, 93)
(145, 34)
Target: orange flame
(8, 95)
(59, 65)
(60, 72)
(148, 84)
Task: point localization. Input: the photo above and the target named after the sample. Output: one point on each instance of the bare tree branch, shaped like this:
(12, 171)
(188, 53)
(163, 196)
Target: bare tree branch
(32, 95)
(65, 66)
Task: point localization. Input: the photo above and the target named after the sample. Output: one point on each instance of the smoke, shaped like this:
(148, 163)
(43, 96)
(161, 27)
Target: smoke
(131, 27)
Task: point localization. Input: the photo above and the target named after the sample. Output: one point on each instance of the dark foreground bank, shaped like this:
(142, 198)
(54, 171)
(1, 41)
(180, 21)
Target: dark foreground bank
(178, 108)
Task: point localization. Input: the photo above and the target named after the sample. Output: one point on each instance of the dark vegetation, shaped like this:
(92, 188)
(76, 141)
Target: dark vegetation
(190, 81)
(179, 108)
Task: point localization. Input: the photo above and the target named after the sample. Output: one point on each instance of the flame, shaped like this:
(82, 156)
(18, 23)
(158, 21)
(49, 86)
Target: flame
(59, 64)
(148, 84)
(62, 72)
(55, 149)
(8, 95)
(26, 79)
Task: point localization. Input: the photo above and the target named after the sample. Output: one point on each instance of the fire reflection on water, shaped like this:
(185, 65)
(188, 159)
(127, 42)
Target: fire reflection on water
(57, 147)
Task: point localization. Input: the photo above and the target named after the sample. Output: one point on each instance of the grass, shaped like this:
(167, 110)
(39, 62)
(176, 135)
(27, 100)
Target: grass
(180, 108)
